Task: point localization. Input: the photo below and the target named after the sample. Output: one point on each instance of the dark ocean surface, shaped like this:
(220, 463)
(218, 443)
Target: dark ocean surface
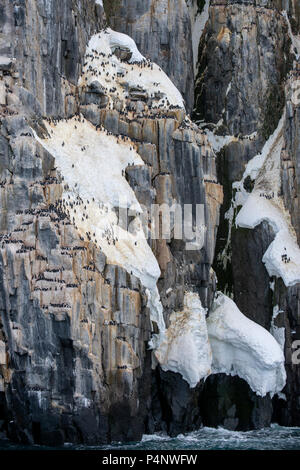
(274, 438)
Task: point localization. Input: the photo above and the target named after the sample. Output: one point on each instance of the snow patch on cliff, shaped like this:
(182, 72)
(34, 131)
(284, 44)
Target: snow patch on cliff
(226, 342)
(116, 39)
(185, 348)
(119, 78)
(284, 245)
(282, 258)
(198, 22)
(295, 39)
(92, 163)
(276, 331)
(156, 309)
(241, 347)
(255, 165)
(219, 141)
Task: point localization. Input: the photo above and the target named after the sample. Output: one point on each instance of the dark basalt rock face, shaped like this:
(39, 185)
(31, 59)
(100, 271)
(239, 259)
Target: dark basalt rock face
(43, 343)
(232, 51)
(174, 405)
(256, 302)
(79, 370)
(62, 374)
(158, 28)
(228, 402)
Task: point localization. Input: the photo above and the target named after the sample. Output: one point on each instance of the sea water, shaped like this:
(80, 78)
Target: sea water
(273, 438)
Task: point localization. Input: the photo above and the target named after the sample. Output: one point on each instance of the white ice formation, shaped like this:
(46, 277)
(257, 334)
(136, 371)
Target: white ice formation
(265, 204)
(242, 347)
(120, 78)
(185, 348)
(226, 342)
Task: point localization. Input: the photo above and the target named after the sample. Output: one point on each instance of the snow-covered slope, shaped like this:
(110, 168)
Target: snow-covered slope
(241, 347)
(294, 39)
(185, 348)
(92, 163)
(282, 259)
(119, 78)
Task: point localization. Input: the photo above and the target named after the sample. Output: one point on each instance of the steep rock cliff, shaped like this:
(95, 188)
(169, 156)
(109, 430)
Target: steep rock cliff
(75, 327)
(248, 66)
(84, 121)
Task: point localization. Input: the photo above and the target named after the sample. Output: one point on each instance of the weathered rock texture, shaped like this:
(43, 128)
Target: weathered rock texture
(75, 365)
(162, 31)
(246, 69)
(74, 330)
